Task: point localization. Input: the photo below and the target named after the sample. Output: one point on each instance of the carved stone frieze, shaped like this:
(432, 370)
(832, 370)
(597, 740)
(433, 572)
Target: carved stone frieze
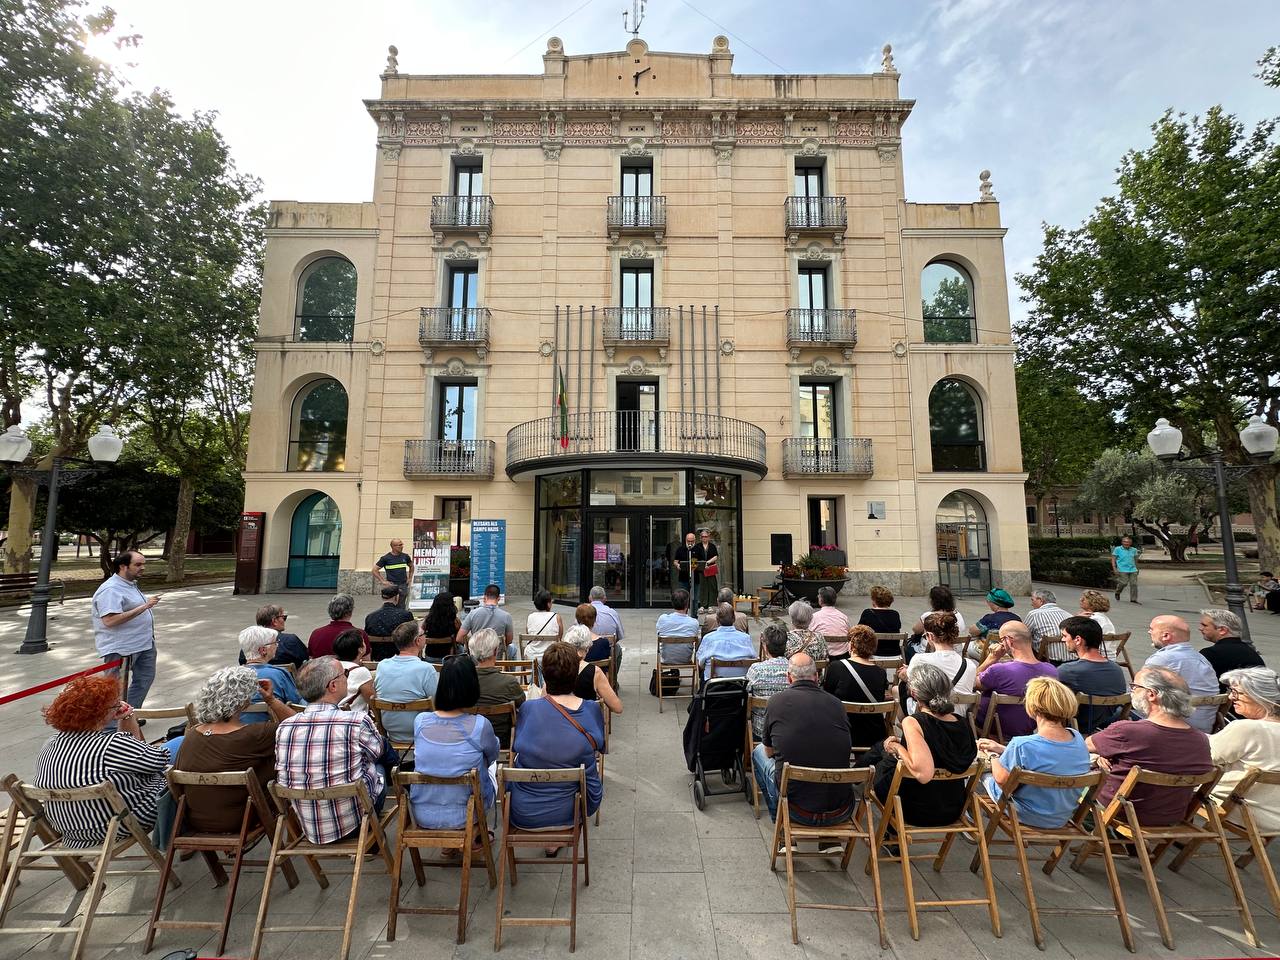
(681, 130)
(588, 132)
(515, 132)
(860, 132)
(766, 132)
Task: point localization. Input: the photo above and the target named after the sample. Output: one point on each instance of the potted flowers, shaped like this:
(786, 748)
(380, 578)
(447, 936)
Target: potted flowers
(813, 571)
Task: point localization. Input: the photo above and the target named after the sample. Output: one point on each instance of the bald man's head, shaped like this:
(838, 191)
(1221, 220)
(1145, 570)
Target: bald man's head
(1016, 632)
(1167, 630)
(802, 667)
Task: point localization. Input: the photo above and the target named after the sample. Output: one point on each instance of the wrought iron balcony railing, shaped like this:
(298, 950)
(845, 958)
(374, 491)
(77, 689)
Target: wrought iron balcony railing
(441, 326)
(806, 327)
(448, 458)
(636, 215)
(840, 456)
(816, 213)
(604, 436)
(471, 214)
(637, 324)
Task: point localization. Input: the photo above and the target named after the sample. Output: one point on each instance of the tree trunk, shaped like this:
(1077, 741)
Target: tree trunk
(1262, 503)
(1039, 516)
(181, 528)
(22, 507)
(104, 555)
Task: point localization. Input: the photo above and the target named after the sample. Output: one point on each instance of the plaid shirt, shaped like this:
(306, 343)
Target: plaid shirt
(324, 747)
(764, 679)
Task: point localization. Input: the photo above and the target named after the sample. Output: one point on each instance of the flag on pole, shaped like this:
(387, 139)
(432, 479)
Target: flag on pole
(562, 401)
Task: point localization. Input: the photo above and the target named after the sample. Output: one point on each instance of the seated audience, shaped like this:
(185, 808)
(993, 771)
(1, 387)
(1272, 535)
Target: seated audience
(830, 622)
(404, 678)
(677, 623)
(1090, 673)
(1227, 650)
(82, 753)
(592, 682)
(1161, 741)
(608, 623)
(350, 648)
(585, 615)
(941, 600)
(219, 741)
(1054, 749)
(707, 621)
(1172, 639)
(320, 643)
(857, 679)
(726, 642)
(440, 626)
(1010, 677)
(556, 730)
(883, 620)
(1043, 620)
(489, 614)
(941, 634)
(1260, 593)
(542, 623)
(800, 638)
(933, 737)
(1251, 741)
(1095, 604)
(258, 646)
(380, 623)
(1001, 606)
(448, 742)
(291, 652)
(804, 725)
(324, 747)
(495, 686)
(767, 677)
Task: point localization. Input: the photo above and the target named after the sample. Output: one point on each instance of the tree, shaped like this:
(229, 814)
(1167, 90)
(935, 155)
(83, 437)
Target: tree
(1063, 431)
(1269, 67)
(1166, 300)
(122, 508)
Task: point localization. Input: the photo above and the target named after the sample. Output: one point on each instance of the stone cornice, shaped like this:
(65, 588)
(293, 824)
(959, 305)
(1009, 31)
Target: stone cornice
(608, 105)
(954, 231)
(1003, 348)
(321, 231)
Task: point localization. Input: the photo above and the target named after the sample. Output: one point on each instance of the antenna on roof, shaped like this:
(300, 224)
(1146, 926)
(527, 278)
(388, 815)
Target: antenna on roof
(637, 17)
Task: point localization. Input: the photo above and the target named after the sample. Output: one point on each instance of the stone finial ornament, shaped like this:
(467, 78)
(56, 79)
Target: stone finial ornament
(984, 187)
(886, 61)
(393, 64)
(555, 45)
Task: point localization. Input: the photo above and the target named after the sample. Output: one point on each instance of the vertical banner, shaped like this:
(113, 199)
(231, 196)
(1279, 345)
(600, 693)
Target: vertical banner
(430, 562)
(249, 552)
(488, 556)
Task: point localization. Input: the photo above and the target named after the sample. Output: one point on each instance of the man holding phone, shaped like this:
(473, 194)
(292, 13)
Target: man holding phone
(123, 625)
(1011, 677)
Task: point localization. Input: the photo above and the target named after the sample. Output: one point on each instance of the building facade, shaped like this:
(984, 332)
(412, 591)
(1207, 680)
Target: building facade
(632, 296)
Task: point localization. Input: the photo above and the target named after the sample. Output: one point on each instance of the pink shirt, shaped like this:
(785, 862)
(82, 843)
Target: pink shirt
(830, 622)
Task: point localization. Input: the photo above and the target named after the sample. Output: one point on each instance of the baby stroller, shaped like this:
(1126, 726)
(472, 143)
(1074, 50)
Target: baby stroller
(713, 737)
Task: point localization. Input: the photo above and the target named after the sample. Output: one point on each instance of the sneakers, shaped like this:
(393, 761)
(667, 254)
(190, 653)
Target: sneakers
(829, 848)
(1118, 592)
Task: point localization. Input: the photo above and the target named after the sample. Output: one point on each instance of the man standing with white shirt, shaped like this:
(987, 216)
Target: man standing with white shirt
(123, 625)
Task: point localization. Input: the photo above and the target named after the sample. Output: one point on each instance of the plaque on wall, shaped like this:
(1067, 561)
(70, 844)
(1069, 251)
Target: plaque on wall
(401, 509)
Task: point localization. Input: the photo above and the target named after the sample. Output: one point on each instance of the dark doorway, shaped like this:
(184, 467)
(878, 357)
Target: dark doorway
(637, 414)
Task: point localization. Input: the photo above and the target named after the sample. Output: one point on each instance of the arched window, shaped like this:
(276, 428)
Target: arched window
(964, 545)
(327, 301)
(955, 427)
(318, 438)
(946, 293)
(315, 539)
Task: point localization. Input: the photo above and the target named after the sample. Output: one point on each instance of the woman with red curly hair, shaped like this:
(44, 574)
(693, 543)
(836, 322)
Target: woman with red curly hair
(82, 754)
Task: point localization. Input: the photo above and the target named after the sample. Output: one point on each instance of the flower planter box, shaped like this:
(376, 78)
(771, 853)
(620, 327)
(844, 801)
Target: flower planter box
(807, 588)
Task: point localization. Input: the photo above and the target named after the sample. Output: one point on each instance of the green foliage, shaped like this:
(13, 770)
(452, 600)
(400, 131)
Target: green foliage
(1083, 561)
(121, 507)
(1057, 544)
(1269, 67)
(1063, 431)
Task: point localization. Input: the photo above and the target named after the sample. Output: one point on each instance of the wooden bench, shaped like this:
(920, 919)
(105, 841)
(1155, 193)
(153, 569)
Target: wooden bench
(21, 585)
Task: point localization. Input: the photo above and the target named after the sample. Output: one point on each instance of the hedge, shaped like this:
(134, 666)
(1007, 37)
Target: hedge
(1095, 544)
(1087, 572)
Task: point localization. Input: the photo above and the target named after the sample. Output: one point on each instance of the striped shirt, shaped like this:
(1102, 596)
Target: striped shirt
(324, 747)
(1044, 622)
(84, 759)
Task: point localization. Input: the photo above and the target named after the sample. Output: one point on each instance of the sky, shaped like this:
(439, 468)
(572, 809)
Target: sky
(1047, 94)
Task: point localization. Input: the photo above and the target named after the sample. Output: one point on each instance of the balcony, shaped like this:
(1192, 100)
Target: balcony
(810, 328)
(636, 215)
(448, 326)
(635, 438)
(448, 458)
(827, 457)
(636, 325)
(815, 215)
(462, 215)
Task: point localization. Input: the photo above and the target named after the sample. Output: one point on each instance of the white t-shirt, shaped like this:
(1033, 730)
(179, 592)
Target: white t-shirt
(357, 677)
(1108, 649)
(1243, 744)
(959, 619)
(948, 661)
(542, 624)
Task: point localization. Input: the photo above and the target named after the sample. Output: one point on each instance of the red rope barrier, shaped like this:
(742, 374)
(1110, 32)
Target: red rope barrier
(40, 688)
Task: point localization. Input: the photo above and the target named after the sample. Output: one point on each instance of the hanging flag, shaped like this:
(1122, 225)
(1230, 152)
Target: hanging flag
(562, 401)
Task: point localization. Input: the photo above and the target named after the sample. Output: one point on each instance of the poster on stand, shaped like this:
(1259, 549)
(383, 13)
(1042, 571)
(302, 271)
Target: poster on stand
(488, 557)
(430, 562)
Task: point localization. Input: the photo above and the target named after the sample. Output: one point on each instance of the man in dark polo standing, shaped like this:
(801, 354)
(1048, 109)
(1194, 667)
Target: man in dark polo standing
(395, 567)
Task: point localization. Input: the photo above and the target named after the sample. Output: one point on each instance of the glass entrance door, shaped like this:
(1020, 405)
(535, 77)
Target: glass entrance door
(611, 558)
(666, 534)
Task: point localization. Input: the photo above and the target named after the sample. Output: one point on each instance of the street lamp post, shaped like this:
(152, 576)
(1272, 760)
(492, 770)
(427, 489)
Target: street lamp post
(1057, 530)
(1259, 441)
(104, 448)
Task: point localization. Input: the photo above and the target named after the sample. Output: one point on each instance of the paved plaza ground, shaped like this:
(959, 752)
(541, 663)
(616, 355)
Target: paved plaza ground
(667, 880)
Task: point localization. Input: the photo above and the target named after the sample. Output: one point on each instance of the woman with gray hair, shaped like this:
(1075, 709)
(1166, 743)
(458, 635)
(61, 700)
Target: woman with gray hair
(258, 644)
(220, 741)
(592, 683)
(1251, 741)
(800, 639)
(933, 737)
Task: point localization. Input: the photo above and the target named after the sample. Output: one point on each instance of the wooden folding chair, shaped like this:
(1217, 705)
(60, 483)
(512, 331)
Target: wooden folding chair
(15, 818)
(992, 718)
(970, 702)
(891, 814)
(833, 639)
(521, 669)
(186, 712)
(258, 821)
(898, 639)
(1003, 817)
(493, 711)
(1121, 816)
(1120, 705)
(411, 837)
(716, 664)
(749, 746)
(888, 664)
(1119, 654)
(566, 835)
(1218, 700)
(1239, 823)
(787, 834)
(887, 709)
(380, 648)
(690, 668)
(288, 842)
(12, 821)
(122, 831)
(526, 638)
(1053, 645)
(611, 667)
(379, 707)
(821, 666)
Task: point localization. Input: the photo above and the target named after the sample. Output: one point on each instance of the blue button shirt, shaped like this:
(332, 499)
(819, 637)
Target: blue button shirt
(608, 623)
(1199, 674)
(725, 643)
(674, 624)
(118, 595)
(401, 679)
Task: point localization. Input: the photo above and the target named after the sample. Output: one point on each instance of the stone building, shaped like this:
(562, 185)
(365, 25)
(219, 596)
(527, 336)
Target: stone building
(751, 328)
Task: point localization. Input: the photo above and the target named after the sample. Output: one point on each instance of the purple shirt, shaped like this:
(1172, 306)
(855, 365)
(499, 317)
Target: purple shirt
(1012, 677)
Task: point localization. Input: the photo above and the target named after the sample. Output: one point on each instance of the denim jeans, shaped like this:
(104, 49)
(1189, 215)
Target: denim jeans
(764, 768)
(142, 673)
(166, 807)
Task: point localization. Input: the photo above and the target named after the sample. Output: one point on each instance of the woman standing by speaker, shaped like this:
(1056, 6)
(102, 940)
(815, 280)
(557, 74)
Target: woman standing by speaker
(708, 566)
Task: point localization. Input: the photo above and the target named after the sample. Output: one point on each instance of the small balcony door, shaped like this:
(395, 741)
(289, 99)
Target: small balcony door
(635, 320)
(468, 187)
(463, 299)
(637, 195)
(637, 415)
(809, 188)
(813, 302)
